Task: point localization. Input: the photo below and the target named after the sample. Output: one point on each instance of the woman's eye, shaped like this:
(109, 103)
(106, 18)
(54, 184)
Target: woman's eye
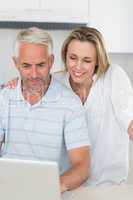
(87, 61)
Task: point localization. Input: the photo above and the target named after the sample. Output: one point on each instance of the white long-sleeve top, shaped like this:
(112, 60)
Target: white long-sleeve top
(109, 110)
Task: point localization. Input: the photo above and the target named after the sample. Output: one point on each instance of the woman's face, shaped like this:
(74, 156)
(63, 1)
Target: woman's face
(81, 59)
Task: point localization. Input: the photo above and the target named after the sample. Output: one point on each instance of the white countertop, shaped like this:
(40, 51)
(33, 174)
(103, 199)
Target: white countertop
(115, 192)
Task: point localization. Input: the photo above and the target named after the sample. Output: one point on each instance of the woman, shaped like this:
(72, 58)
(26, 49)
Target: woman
(107, 97)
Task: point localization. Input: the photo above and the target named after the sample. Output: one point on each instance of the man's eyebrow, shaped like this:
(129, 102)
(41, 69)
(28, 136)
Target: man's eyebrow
(40, 63)
(24, 63)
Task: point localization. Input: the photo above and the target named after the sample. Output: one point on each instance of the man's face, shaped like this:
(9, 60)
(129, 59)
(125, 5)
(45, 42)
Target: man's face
(34, 64)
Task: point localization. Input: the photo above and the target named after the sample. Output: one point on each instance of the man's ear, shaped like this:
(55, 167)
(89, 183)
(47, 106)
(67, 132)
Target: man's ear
(51, 60)
(15, 62)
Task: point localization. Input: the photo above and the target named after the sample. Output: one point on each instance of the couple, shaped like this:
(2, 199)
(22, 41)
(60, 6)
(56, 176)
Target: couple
(42, 119)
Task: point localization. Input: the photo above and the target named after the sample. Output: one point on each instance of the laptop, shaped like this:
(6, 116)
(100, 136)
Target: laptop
(28, 180)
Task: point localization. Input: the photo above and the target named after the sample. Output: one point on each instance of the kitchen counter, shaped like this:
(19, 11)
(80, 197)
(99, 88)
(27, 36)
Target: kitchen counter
(115, 192)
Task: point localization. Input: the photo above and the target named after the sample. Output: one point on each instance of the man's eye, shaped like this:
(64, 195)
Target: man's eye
(41, 65)
(25, 66)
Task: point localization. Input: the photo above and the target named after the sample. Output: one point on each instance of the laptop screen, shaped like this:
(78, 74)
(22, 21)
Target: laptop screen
(28, 180)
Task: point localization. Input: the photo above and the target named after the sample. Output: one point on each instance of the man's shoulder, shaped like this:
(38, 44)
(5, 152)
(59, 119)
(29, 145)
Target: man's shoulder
(59, 74)
(7, 93)
(62, 77)
(66, 94)
(63, 88)
(4, 97)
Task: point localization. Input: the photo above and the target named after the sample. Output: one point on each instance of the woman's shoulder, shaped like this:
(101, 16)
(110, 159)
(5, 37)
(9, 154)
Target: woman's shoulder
(117, 78)
(115, 69)
(114, 77)
(115, 73)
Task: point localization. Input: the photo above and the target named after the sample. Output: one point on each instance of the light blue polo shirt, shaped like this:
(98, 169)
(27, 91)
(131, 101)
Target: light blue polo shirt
(41, 131)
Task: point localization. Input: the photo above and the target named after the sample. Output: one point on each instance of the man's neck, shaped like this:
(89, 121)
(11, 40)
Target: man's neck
(32, 99)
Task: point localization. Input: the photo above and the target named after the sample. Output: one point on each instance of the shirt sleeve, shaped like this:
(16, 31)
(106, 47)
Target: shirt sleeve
(76, 131)
(2, 111)
(122, 96)
(1, 133)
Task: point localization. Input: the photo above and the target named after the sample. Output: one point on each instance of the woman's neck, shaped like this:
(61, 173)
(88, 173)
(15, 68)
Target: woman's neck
(82, 90)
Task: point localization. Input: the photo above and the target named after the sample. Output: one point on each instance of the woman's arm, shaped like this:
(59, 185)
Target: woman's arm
(130, 130)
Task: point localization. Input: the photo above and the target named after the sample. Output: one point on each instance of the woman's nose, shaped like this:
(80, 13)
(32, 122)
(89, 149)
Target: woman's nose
(78, 65)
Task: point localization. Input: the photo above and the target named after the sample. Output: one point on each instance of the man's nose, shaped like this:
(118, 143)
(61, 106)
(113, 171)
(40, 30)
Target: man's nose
(34, 72)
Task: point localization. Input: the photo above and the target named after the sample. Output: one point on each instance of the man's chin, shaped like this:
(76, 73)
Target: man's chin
(35, 90)
(35, 82)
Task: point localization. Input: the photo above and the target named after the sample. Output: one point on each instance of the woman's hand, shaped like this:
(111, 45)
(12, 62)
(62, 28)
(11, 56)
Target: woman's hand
(130, 130)
(12, 83)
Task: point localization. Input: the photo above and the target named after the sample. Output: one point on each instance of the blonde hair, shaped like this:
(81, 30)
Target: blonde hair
(33, 35)
(92, 35)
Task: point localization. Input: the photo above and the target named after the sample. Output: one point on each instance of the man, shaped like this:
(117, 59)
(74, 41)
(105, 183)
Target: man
(40, 119)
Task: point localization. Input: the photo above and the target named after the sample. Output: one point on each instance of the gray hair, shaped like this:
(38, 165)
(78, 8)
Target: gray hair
(33, 35)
